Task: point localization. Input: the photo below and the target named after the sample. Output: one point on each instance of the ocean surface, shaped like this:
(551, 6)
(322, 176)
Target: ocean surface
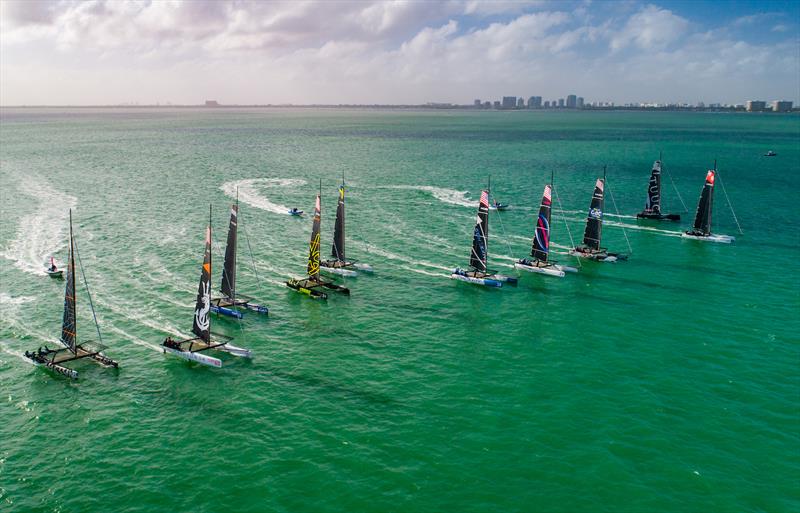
(669, 383)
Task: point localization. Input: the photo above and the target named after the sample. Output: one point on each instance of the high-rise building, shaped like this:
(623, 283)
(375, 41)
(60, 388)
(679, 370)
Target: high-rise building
(756, 105)
(535, 102)
(561, 103)
(487, 105)
(509, 102)
(547, 104)
(781, 106)
(520, 102)
(476, 104)
(579, 103)
(572, 101)
(496, 104)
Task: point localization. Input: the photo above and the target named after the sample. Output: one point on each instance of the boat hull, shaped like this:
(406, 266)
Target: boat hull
(235, 351)
(486, 282)
(316, 294)
(724, 239)
(194, 357)
(55, 274)
(229, 312)
(54, 367)
(658, 217)
(599, 257)
(550, 270)
(349, 273)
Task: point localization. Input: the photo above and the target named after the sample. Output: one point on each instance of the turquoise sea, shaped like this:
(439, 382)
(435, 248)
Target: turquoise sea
(669, 383)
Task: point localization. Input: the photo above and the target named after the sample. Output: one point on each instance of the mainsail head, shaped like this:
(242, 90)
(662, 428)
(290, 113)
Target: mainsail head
(313, 246)
(337, 248)
(69, 327)
(541, 237)
(594, 221)
(653, 203)
(702, 219)
(229, 268)
(202, 322)
(480, 236)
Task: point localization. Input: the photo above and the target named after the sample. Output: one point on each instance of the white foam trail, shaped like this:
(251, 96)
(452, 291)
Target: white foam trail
(135, 340)
(451, 196)
(394, 256)
(620, 216)
(421, 271)
(643, 228)
(248, 192)
(7, 299)
(42, 233)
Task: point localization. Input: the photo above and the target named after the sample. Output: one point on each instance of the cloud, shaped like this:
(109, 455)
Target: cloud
(650, 28)
(375, 52)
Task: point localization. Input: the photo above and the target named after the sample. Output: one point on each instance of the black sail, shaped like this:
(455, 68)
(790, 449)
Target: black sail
(479, 256)
(313, 246)
(653, 204)
(202, 322)
(68, 324)
(594, 221)
(702, 220)
(229, 269)
(337, 249)
(540, 247)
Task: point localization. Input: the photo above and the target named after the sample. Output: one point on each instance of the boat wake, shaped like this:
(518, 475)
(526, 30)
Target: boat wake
(43, 232)
(450, 196)
(249, 192)
(372, 249)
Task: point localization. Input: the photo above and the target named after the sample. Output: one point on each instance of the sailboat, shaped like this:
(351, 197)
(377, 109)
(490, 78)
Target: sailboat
(226, 304)
(312, 284)
(701, 229)
(540, 247)
(592, 234)
(55, 359)
(192, 348)
(478, 272)
(652, 206)
(338, 264)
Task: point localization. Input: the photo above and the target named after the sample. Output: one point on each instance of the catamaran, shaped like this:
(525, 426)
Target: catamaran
(540, 247)
(652, 206)
(338, 264)
(478, 272)
(192, 348)
(701, 230)
(312, 283)
(55, 359)
(227, 304)
(594, 227)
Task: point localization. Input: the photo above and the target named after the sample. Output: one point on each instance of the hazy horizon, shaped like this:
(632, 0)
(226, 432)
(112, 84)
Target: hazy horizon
(112, 53)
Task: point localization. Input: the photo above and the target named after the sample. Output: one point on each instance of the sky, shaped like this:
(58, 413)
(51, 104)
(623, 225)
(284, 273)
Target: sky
(110, 52)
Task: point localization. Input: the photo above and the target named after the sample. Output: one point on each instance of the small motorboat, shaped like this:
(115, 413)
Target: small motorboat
(498, 206)
(52, 270)
(294, 212)
(770, 153)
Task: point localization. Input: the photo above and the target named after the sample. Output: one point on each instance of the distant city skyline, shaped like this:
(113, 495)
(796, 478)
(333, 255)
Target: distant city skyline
(317, 52)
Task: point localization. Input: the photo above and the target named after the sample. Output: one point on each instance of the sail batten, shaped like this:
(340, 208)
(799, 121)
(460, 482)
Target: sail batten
(479, 256)
(653, 203)
(69, 327)
(540, 247)
(313, 246)
(702, 219)
(202, 322)
(337, 248)
(594, 220)
(229, 268)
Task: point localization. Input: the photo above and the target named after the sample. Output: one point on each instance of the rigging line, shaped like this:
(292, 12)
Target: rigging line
(571, 241)
(729, 203)
(611, 193)
(685, 209)
(88, 293)
(505, 237)
(252, 258)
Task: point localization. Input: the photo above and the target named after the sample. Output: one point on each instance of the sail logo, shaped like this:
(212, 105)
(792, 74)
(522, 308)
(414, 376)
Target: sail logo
(201, 314)
(542, 233)
(595, 213)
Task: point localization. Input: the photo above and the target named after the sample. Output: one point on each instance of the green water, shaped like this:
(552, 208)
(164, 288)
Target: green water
(670, 382)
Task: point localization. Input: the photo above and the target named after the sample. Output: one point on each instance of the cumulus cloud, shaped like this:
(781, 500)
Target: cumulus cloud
(373, 52)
